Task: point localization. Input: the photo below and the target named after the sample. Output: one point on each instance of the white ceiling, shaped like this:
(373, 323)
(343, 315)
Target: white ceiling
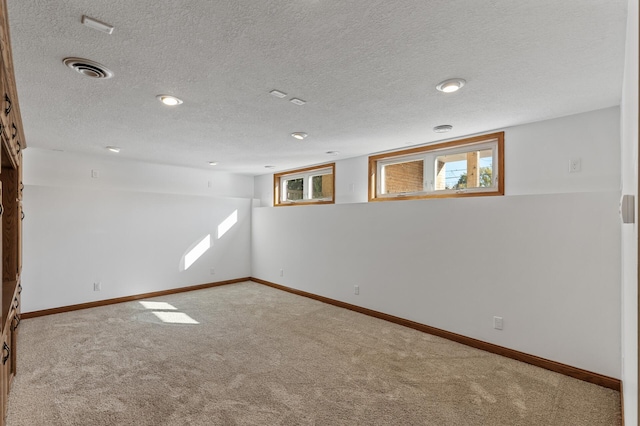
(367, 69)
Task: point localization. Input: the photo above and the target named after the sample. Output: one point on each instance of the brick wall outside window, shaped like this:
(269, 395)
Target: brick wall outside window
(404, 177)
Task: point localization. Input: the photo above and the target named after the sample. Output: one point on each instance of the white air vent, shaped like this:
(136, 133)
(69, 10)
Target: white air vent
(88, 68)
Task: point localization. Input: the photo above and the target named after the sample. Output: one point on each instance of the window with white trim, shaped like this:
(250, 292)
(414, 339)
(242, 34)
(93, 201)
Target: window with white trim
(312, 185)
(463, 168)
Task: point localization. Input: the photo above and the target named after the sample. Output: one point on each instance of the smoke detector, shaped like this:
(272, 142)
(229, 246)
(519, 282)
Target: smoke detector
(88, 68)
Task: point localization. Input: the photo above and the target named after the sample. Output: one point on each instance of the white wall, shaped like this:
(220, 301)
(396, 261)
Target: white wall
(54, 168)
(537, 159)
(546, 257)
(548, 264)
(122, 230)
(537, 155)
(351, 180)
(629, 113)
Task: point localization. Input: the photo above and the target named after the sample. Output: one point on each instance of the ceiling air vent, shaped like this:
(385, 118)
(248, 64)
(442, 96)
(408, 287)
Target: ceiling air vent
(88, 68)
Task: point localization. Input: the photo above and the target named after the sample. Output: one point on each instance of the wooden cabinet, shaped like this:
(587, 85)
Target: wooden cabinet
(12, 143)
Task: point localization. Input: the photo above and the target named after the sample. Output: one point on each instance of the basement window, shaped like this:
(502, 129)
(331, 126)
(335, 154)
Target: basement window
(312, 185)
(463, 168)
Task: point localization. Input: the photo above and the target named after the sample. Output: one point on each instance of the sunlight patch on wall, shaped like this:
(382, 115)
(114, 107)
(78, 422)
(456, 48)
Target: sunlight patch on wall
(158, 305)
(197, 251)
(175, 318)
(227, 224)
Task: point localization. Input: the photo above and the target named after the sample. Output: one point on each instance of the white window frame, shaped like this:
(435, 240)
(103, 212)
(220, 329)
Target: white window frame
(307, 176)
(428, 155)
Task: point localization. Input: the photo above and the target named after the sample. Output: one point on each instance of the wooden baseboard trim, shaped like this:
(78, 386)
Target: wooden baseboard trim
(621, 404)
(34, 314)
(578, 373)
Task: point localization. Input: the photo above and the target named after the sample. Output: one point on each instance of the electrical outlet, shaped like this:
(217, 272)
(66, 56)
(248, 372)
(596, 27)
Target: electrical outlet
(95, 174)
(97, 286)
(497, 323)
(212, 271)
(575, 165)
(282, 272)
(356, 289)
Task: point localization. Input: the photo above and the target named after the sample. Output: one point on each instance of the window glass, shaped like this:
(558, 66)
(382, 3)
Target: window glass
(466, 167)
(305, 186)
(464, 170)
(295, 189)
(322, 186)
(403, 177)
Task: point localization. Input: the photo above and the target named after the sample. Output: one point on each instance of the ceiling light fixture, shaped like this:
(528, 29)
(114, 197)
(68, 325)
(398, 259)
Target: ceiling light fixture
(299, 135)
(451, 85)
(114, 149)
(169, 100)
(333, 152)
(97, 25)
(213, 163)
(278, 94)
(297, 101)
(443, 128)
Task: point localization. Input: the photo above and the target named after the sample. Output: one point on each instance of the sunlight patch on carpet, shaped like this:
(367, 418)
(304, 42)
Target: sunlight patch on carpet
(159, 305)
(175, 318)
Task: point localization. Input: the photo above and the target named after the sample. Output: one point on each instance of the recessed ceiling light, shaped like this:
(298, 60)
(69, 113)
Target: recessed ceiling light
(451, 85)
(278, 94)
(297, 101)
(269, 167)
(97, 25)
(333, 152)
(443, 128)
(114, 149)
(213, 163)
(169, 100)
(299, 135)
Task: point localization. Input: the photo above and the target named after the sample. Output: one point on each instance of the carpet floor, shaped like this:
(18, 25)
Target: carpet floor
(247, 354)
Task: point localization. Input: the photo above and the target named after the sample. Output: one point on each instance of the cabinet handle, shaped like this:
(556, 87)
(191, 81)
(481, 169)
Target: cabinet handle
(7, 110)
(14, 132)
(22, 213)
(16, 303)
(1, 209)
(21, 184)
(5, 348)
(19, 147)
(19, 288)
(16, 320)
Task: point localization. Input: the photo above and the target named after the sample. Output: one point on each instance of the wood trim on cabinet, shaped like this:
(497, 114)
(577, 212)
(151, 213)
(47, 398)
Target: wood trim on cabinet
(567, 370)
(34, 314)
(11, 77)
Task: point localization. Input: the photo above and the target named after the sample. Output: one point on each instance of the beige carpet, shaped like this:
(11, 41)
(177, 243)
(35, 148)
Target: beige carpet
(259, 356)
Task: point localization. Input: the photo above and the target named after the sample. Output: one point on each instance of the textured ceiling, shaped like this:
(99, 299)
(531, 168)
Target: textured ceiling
(367, 69)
